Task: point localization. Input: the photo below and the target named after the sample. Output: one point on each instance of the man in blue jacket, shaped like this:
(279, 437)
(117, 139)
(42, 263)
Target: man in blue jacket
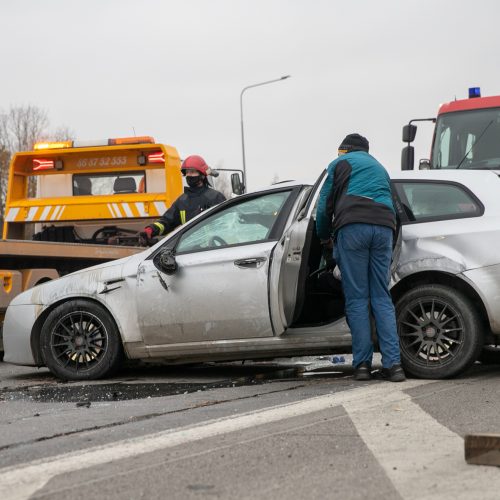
(355, 208)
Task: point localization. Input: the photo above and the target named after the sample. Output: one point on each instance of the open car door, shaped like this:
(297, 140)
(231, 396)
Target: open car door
(290, 263)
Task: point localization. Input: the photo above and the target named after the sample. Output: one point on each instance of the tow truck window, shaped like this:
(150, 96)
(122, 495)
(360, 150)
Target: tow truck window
(109, 184)
(425, 201)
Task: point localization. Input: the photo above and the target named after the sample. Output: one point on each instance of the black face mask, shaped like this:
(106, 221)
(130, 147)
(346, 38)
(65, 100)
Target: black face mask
(193, 180)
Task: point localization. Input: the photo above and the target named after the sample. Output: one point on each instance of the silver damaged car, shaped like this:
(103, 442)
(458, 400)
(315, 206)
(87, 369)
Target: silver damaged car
(245, 280)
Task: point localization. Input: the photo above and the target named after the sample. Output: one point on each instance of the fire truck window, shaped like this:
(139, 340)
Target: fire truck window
(108, 184)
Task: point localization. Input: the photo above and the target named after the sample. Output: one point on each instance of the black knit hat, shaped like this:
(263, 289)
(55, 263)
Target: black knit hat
(354, 142)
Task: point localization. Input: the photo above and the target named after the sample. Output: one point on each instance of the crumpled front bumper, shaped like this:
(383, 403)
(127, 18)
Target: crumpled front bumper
(17, 327)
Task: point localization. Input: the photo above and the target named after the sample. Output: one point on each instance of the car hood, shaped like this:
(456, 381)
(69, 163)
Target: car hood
(86, 282)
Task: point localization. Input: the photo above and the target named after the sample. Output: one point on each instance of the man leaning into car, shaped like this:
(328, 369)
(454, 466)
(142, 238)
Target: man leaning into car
(355, 203)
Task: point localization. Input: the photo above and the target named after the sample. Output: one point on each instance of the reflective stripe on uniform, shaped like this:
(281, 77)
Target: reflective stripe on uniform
(183, 216)
(160, 226)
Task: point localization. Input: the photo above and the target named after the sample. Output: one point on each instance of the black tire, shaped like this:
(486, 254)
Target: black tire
(439, 331)
(80, 341)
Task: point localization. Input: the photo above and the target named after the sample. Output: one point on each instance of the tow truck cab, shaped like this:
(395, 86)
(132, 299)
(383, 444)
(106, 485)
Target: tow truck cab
(74, 191)
(466, 135)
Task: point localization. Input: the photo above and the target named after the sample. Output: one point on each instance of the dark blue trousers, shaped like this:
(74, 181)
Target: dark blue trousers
(363, 253)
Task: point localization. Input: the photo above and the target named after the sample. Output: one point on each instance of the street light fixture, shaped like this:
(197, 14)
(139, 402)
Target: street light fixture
(241, 116)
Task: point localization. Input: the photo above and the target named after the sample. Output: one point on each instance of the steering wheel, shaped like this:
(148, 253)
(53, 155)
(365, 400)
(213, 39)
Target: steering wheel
(217, 241)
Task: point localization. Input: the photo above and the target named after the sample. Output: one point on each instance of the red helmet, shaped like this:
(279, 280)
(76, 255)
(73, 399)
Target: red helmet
(195, 162)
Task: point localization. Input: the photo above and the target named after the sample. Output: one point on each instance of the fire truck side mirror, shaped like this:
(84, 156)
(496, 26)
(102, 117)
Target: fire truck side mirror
(407, 158)
(409, 133)
(236, 184)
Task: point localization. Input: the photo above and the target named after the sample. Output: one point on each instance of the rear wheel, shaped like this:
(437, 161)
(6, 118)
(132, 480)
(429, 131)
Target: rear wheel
(439, 331)
(80, 341)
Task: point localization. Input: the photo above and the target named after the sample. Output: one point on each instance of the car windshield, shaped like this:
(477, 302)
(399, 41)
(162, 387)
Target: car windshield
(468, 140)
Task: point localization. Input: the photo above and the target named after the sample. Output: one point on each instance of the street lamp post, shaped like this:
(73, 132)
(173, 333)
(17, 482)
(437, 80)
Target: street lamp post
(241, 117)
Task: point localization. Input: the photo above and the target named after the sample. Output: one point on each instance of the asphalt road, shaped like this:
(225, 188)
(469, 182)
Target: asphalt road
(288, 430)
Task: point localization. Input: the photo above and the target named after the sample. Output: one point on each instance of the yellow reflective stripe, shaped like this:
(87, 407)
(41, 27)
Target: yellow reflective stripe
(183, 216)
(160, 226)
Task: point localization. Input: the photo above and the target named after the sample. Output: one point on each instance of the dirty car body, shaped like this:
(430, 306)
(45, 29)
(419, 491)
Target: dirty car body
(244, 280)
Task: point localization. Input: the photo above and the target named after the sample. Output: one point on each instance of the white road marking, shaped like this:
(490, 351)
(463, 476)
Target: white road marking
(21, 481)
(422, 458)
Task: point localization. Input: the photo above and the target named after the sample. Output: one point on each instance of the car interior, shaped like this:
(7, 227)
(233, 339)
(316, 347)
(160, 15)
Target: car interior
(319, 293)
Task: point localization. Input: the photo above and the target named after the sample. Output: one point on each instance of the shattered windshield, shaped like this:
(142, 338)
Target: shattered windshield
(468, 140)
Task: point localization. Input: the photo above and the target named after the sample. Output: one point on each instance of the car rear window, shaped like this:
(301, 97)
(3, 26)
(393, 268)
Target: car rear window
(437, 200)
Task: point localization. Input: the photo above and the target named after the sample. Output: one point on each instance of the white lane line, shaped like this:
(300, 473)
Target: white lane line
(422, 458)
(21, 481)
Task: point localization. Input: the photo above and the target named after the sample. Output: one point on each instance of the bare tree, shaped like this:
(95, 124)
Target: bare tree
(61, 134)
(20, 128)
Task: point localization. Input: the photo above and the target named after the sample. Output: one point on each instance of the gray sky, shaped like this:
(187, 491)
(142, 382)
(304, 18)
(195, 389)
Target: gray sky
(175, 69)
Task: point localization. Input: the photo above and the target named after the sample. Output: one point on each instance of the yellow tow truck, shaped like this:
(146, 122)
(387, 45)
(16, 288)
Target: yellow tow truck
(91, 200)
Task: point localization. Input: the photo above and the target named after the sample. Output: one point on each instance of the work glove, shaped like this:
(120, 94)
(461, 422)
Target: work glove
(146, 236)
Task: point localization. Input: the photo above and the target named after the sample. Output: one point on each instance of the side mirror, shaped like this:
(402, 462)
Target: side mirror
(424, 165)
(236, 184)
(409, 133)
(407, 158)
(165, 261)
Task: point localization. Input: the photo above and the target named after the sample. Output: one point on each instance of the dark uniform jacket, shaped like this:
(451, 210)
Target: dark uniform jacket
(187, 206)
(357, 189)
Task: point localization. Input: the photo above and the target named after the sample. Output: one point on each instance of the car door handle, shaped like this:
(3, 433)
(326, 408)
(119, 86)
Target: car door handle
(250, 262)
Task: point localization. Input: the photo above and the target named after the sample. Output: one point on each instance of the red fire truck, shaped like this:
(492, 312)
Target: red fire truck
(466, 135)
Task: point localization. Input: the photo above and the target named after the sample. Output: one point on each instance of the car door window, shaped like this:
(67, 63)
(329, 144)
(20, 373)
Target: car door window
(249, 221)
(437, 200)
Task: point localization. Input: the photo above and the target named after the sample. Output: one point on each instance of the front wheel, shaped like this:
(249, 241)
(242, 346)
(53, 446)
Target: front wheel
(80, 341)
(439, 332)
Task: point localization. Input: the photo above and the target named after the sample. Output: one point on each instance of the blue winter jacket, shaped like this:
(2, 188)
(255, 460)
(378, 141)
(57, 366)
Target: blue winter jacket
(357, 189)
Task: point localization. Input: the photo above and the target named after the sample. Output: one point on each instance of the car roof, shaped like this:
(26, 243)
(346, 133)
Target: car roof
(282, 184)
(463, 176)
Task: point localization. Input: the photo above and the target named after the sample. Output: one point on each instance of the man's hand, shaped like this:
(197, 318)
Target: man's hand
(327, 243)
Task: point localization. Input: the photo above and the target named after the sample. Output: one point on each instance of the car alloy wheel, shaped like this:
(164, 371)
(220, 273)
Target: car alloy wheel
(439, 331)
(80, 341)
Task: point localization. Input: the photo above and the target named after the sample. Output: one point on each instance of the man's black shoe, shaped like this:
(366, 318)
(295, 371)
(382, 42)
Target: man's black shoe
(363, 371)
(394, 374)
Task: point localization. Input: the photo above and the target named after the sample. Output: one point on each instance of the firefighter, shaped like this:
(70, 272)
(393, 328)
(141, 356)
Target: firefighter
(198, 196)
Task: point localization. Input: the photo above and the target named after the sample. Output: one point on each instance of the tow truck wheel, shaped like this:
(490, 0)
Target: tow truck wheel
(439, 332)
(80, 341)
